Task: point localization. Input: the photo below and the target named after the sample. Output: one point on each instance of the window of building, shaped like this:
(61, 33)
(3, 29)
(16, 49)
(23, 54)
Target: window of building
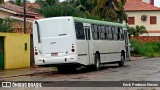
(79, 30)
(131, 20)
(153, 20)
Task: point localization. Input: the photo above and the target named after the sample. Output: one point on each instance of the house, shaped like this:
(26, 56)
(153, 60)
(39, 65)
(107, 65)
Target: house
(15, 12)
(148, 1)
(8, 10)
(141, 13)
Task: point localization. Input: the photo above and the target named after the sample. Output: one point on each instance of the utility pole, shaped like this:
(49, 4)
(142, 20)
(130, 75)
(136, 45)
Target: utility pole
(24, 15)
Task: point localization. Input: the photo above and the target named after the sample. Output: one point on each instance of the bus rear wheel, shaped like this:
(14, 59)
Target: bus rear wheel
(97, 62)
(121, 63)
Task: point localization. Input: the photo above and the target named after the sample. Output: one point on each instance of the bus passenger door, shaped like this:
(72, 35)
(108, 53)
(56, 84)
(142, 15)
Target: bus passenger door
(88, 38)
(127, 46)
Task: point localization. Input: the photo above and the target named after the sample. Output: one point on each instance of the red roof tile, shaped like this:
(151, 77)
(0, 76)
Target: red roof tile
(17, 9)
(17, 12)
(138, 5)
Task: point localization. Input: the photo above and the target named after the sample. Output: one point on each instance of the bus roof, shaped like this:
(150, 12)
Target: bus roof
(97, 22)
(84, 20)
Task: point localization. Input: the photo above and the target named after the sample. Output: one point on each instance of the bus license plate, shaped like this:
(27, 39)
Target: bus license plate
(54, 54)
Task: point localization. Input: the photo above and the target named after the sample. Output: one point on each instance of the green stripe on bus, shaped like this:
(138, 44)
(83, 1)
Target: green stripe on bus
(97, 22)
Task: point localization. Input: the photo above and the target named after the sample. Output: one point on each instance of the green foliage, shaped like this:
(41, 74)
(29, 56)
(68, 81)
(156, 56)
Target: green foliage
(16, 2)
(1, 1)
(60, 10)
(93, 9)
(44, 3)
(5, 25)
(148, 49)
(136, 31)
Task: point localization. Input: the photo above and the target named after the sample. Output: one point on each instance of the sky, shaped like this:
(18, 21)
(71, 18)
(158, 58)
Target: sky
(156, 2)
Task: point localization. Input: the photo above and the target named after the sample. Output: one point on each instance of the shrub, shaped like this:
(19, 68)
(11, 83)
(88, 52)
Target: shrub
(149, 49)
(5, 25)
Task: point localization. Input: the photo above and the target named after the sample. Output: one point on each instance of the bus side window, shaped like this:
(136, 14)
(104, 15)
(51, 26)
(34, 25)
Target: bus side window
(115, 33)
(106, 33)
(79, 31)
(122, 34)
(102, 34)
(99, 32)
(119, 34)
(96, 36)
(92, 29)
(110, 37)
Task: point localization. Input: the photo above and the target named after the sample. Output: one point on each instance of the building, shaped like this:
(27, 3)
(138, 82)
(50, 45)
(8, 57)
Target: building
(148, 1)
(141, 13)
(15, 12)
(8, 10)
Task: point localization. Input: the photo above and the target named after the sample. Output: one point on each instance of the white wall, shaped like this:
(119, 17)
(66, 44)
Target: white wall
(138, 21)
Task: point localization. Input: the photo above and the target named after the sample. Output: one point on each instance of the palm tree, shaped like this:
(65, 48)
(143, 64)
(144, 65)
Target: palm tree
(44, 3)
(130, 31)
(139, 30)
(111, 10)
(136, 31)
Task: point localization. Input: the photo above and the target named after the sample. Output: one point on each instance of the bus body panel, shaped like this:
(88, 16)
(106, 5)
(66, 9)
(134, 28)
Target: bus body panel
(108, 53)
(58, 38)
(82, 51)
(56, 43)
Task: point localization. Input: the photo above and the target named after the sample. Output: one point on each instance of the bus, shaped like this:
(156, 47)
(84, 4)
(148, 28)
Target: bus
(72, 41)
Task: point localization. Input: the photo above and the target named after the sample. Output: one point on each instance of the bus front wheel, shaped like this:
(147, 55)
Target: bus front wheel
(97, 62)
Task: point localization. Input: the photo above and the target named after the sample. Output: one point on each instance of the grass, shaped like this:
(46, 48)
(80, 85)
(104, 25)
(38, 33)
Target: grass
(148, 49)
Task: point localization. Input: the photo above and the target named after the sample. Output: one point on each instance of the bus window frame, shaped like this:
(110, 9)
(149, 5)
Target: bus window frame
(84, 38)
(103, 31)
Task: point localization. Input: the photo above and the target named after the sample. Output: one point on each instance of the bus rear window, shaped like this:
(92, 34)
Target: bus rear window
(79, 31)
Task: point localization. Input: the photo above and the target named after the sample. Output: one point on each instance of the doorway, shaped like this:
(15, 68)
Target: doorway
(1, 53)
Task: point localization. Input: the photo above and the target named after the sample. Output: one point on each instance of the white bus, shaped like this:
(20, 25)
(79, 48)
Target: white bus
(72, 41)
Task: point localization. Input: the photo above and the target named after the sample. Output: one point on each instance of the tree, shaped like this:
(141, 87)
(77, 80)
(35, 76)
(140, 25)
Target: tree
(6, 25)
(16, 2)
(60, 10)
(111, 10)
(130, 31)
(136, 31)
(139, 30)
(51, 8)
(44, 3)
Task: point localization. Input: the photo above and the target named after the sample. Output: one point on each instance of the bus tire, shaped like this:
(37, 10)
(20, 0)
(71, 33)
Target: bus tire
(97, 62)
(121, 63)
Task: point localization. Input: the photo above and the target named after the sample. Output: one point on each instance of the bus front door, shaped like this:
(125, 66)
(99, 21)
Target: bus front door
(88, 38)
